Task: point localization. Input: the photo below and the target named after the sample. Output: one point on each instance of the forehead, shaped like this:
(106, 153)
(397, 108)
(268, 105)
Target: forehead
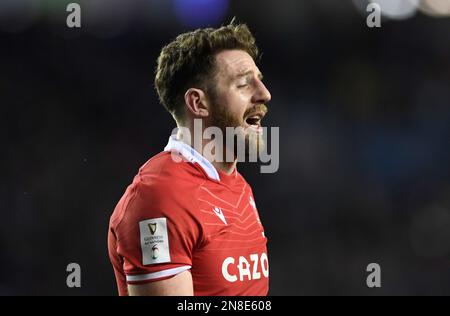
(234, 62)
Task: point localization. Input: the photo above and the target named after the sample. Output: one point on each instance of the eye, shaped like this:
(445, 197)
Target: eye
(242, 83)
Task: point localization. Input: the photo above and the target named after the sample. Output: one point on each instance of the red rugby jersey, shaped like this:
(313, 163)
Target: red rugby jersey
(181, 214)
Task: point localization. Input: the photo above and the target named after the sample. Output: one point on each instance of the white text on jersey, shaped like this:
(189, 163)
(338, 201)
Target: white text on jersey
(247, 271)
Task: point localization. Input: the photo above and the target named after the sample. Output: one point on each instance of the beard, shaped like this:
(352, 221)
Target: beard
(247, 142)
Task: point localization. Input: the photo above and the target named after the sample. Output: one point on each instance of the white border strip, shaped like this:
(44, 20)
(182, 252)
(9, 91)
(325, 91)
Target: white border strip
(156, 275)
(193, 156)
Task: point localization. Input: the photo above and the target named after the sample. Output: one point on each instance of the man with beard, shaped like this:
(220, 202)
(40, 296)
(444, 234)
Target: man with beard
(189, 225)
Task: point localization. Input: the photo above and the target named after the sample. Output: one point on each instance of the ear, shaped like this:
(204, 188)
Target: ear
(196, 102)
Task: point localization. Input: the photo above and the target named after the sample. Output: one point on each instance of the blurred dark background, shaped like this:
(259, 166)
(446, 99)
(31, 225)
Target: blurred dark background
(364, 117)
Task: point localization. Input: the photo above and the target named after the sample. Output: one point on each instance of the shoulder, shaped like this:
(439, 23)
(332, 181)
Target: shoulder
(166, 174)
(239, 183)
(163, 187)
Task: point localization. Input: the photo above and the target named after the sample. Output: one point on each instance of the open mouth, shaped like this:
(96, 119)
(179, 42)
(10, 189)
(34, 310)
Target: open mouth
(254, 120)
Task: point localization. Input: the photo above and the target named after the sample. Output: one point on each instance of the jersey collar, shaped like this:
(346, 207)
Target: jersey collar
(193, 156)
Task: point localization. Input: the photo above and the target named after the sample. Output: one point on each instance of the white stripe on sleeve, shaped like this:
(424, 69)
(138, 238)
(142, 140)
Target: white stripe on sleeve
(156, 275)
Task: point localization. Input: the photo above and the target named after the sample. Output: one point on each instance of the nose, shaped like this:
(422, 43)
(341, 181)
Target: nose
(262, 94)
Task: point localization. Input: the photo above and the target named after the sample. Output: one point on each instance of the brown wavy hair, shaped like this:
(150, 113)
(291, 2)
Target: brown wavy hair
(189, 61)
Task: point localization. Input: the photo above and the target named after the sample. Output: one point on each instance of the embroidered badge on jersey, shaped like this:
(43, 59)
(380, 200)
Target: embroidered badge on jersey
(154, 241)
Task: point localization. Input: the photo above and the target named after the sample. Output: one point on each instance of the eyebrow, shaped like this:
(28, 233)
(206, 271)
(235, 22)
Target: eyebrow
(249, 72)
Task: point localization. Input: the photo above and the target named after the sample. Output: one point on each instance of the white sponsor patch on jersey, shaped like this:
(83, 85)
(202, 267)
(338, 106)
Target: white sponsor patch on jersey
(154, 241)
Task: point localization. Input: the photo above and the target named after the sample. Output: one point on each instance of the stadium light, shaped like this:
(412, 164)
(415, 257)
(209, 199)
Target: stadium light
(398, 9)
(435, 8)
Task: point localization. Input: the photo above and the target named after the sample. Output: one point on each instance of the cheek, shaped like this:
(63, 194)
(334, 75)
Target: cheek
(234, 102)
(237, 105)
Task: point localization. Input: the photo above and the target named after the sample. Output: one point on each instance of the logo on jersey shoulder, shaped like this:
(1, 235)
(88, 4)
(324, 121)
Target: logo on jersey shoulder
(154, 241)
(257, 267)
(219, 213)
(155, 252)
(152, 227)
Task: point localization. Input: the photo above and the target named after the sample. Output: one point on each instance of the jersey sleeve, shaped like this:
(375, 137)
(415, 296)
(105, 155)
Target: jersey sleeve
(158, 232)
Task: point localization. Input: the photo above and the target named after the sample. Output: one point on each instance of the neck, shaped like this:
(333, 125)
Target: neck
(224, 166)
